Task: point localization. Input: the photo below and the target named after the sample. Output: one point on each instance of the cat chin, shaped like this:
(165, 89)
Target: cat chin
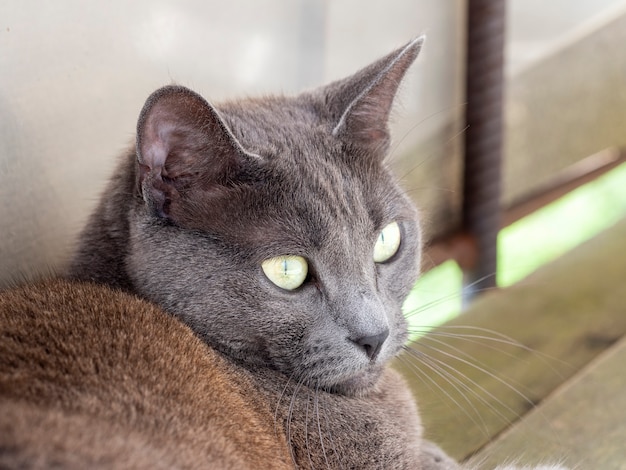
(358, 385)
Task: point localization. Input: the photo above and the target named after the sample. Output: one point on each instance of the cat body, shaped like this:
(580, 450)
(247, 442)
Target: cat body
(235, 298)
(187, 222)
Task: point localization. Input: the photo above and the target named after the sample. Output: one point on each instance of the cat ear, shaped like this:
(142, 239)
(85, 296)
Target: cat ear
(361, 103)
(181, 143)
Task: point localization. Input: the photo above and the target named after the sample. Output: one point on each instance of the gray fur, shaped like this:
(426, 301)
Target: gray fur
(210, 192)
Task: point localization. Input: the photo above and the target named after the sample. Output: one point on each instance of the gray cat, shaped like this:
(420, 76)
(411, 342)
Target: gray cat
(274, 231)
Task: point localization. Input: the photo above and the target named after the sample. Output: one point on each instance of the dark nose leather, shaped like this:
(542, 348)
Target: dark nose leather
(372, 344)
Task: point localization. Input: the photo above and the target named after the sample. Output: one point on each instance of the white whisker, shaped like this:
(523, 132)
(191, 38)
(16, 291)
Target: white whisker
(480, 388)
(476, 364)
(432, 154)
(319, 427)
(332, 441)
(306, 425)
(282, 394)
(289, 417)
(416, 125)
(501, 338)
(425, 360)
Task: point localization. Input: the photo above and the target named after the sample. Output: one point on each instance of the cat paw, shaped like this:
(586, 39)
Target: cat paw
(433, 458)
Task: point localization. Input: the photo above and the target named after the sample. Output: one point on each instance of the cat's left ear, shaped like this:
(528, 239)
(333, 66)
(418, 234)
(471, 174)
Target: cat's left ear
(183, 144)
(360, 104)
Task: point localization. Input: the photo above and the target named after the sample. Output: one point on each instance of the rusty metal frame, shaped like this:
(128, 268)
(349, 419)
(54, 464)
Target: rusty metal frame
(474, 245)
(462, 247)
(483, 139)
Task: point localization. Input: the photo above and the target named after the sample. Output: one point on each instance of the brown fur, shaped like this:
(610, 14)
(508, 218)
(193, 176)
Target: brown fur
(96, 378)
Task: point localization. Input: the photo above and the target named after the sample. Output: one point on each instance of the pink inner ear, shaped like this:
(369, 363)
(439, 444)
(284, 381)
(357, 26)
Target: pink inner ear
(155, 145)
(376, 135)
(155, 154)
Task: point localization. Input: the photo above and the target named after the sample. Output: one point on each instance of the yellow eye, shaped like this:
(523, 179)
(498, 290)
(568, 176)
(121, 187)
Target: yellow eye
(388, 243)
(287, 272)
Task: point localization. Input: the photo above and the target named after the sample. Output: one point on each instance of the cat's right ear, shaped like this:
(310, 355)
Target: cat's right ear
(360, 105)
(182, 143)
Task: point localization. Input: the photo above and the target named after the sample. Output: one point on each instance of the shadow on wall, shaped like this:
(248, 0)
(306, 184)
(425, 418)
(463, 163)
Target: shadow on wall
(33, 232)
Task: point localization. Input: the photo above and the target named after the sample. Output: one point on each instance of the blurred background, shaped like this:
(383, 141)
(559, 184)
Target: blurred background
(75, 74)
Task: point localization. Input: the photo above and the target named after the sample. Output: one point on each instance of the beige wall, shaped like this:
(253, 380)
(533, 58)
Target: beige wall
(74, 75)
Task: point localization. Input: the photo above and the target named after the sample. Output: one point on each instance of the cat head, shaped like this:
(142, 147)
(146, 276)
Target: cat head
(275, 230)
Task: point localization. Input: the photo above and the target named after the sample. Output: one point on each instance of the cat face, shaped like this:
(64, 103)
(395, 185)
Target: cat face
(273, 228)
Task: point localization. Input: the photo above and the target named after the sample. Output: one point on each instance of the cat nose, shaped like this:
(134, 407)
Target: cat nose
(372, 344)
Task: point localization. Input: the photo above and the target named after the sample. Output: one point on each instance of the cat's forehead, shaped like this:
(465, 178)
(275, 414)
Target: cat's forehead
(277, 124)
(306, 194)
(310, 190)
(293, 137)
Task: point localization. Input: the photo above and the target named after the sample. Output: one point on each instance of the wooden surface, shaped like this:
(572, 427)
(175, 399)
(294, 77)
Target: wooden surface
(513, 348)
(583, 424)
